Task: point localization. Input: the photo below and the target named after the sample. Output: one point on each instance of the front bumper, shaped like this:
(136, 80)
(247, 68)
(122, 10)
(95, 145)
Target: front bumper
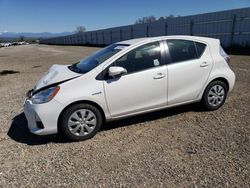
(42, 118)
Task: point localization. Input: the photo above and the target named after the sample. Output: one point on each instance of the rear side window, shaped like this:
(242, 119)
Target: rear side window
(200, 48)
(184, 50)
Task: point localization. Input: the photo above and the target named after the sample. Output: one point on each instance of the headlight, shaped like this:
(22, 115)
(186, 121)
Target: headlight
(45, 95)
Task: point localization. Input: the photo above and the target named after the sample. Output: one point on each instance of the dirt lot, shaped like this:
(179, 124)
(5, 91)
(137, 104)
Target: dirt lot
(180, 147)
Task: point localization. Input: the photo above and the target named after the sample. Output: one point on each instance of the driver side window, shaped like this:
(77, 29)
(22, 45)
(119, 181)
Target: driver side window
(141, 58)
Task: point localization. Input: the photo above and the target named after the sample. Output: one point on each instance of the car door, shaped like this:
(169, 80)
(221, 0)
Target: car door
(188, 71)
(143, 87)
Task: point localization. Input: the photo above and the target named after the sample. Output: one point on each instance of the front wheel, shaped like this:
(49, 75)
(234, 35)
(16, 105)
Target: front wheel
(81, 122)
(215, 95)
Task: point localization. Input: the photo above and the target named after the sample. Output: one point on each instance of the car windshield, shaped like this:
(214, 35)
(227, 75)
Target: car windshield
(95, 59)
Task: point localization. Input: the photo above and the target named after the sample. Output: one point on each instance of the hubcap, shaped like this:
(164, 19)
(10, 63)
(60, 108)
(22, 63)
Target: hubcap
(216, 95)
(82, 122)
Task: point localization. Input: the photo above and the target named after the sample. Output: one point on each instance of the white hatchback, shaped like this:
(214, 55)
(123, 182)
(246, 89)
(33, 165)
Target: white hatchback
(126, 79)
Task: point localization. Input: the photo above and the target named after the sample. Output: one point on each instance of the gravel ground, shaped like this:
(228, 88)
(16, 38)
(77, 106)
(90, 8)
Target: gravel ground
(179, 147)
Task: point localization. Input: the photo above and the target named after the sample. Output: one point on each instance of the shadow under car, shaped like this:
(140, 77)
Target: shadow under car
(19, 130)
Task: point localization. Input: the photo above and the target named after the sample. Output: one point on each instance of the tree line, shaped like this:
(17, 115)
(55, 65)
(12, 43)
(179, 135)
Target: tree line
(149, 19)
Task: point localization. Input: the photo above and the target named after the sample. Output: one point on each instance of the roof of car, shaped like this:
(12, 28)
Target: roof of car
(141, 40)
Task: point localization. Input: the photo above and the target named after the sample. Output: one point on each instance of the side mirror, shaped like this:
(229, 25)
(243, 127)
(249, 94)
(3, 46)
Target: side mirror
(116, 71)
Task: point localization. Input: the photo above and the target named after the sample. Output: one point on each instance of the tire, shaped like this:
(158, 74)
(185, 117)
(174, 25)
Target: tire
(80, 122)
(215, 91)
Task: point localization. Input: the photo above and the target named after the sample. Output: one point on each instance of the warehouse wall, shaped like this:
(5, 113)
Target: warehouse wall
(232, 27)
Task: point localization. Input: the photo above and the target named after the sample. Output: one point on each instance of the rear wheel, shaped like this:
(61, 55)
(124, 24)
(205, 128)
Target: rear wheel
(215, 95)
(81, 122)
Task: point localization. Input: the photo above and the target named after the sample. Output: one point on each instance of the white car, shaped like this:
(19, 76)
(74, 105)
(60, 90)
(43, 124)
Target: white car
(128, 78)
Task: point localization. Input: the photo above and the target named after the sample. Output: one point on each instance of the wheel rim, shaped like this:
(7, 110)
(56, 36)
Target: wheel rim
(216, 95)
(82, 122)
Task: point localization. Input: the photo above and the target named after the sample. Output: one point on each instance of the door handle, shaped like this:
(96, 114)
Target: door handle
(204, 64)
(159, 76)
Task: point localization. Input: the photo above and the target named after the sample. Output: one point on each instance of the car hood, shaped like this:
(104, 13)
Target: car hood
(56, 73)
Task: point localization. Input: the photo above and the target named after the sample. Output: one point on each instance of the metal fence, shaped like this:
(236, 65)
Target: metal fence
(232, 27)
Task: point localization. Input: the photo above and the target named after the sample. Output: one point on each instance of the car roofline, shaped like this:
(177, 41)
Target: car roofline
(184, 37)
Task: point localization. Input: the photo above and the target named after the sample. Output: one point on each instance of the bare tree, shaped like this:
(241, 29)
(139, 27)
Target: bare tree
(171, 16)
(80, 29)
(162, 18)
(147, 19)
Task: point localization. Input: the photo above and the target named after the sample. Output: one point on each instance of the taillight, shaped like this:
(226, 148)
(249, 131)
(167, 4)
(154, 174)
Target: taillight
(224, 55)
(228, 59)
